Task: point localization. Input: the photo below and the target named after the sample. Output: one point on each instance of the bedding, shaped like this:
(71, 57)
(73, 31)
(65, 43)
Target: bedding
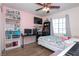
(52, 42)
(71, 41)
(65, 38)
(55, 43)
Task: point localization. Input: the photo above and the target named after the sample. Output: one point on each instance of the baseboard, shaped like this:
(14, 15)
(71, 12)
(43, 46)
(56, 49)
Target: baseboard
(29, 42)
(11, 48)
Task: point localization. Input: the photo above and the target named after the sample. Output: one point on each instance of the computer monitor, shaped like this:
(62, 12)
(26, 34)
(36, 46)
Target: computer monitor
(28, 31)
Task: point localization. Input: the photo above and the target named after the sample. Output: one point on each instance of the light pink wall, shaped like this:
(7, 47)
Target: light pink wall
(0, 32)
(27, 20)
(44, 18)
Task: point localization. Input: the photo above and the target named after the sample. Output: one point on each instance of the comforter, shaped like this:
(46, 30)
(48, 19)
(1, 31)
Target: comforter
(52, 42)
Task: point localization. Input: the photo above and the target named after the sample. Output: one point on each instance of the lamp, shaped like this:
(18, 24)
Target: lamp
(46, 9)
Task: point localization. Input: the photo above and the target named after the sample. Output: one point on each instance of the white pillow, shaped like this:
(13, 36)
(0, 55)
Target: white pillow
(69, 41)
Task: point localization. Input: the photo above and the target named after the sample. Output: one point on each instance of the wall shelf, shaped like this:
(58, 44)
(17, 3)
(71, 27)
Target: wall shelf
(12, 29)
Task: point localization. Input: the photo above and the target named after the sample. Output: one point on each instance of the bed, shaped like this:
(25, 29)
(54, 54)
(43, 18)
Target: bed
(53, 43)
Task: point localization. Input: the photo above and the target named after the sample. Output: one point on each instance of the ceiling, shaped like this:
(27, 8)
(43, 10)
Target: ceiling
(31, 7)
(0, 5)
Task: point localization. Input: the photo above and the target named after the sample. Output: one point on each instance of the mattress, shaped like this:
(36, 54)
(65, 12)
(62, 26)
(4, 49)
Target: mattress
(52, 47)
(53, 40)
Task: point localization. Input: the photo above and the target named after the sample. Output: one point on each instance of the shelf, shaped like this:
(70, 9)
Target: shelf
(12, 26)
(9, 48)
(11, 44)
(12, 40)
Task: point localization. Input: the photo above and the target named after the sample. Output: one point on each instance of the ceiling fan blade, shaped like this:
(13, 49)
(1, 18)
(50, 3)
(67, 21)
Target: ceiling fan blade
(44, 4)
(48, 3)
(54, 7)
(38, 9)
(39, 4)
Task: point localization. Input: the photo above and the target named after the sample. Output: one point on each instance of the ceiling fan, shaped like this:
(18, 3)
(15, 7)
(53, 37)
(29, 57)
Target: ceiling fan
(46, 7)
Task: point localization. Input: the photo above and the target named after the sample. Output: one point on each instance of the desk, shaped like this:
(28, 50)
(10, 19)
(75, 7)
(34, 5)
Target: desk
(23, 36)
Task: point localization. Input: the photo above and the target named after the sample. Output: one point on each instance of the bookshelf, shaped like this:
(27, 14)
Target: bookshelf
(12, 29)
(46, 28)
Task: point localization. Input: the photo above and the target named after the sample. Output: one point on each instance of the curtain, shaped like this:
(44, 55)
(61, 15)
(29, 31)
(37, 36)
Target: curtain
(51, 26)
(68, 32)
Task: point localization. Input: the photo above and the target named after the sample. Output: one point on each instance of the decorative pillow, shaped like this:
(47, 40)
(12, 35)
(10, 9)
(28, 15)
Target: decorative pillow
(65, 38)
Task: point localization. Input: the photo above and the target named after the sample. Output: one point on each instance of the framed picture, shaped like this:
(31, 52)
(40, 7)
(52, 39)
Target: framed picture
(13, 14)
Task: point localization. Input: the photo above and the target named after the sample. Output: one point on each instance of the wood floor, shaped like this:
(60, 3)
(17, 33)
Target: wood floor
(32, 49)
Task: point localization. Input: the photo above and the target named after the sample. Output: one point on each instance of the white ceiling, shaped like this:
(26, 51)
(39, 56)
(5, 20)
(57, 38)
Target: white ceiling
(31, 7)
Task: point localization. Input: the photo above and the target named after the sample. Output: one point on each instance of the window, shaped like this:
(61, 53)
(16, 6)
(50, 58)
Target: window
(59, 26)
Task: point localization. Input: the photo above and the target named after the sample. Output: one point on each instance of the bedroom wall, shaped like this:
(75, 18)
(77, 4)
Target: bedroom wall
(0, 31)
(44, 18)
(27, 20)
(73, 18)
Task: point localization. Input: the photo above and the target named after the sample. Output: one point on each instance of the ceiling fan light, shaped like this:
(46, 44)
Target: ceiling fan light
(45, 9)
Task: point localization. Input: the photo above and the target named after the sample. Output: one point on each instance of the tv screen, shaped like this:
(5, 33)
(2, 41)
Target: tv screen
(37, 20)
(27, 31)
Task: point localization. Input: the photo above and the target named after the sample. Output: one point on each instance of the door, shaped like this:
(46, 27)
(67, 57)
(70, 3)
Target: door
(2, 35)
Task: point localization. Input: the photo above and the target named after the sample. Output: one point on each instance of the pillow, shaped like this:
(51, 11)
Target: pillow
(65, 38)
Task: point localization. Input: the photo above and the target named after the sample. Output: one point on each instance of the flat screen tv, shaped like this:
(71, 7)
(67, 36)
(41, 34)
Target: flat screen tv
(37, 20)
(27, 31)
